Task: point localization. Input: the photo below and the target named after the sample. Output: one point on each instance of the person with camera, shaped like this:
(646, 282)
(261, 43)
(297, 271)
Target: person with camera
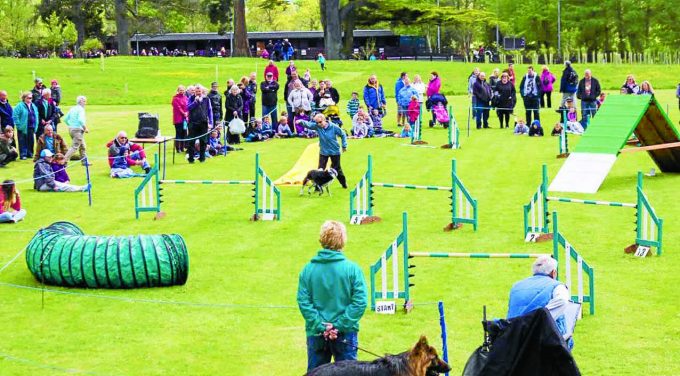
(200, 120)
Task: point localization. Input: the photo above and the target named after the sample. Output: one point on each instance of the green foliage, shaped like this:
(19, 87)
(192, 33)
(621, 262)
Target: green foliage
(220, 13)
(92, 44)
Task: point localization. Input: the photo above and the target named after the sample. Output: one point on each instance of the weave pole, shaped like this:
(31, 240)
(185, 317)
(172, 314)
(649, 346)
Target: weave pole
(442, 325)
(89, 181)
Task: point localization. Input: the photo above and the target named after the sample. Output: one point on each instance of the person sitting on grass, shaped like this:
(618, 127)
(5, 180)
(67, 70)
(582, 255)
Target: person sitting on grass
(10, 203)
(49, 139)
(214, 146)
(362, 126)
(300, 130)
(521, 127)
(267, 128)
(353, 105)
(573, 125)
(8, 149)
(43, 176)
(600, 100)
(59, 168)
(123, 154)
(258, 134)
(283, 129)
(376, 119)
(536, 130)
(405, 132)
(557, 129)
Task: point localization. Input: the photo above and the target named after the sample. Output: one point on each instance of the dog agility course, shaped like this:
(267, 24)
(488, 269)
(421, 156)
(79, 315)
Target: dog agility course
(401, 273)
(463, 205)
(648, 226)
(266, 196)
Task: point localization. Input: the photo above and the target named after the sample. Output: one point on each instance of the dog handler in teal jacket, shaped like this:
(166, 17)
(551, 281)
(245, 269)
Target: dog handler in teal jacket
(328, 143)
(332, 299)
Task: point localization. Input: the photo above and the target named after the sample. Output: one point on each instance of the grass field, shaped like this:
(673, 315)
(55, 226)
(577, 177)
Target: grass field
(237, 313)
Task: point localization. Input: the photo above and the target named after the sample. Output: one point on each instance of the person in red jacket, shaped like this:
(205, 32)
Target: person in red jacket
(10, 203)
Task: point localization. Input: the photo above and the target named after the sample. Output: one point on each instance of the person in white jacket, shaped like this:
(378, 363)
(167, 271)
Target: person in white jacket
(300, 97)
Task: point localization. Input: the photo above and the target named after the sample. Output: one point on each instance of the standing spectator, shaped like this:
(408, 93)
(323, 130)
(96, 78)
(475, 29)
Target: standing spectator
(38, 88)
(47, 112)
(471, 82)
(677, 94)
(43, 177)
(530, 89)
(77, 127)
(290, 69)
(8, 150)
(630, 87)
(247, 99)
(645, 88)
(6, 118)
(252, 88)
(269, 88)
(328, 144)
(200, 120)
(353, 105)
(233, 108)
(506, 98)
(404, 97)
(547, 81)
(322, 61)
(568, 83)
(290, 86)
(401, 112)
(511, 73)
(494, 79)
(273, 69)
(51, 141)
(26, 119)
(10, 203)
(332, 299)
(180, 117)
(56, 92)
(374, 95)
(588, 92)
(269, 48)
(435, 84)
(216, 103)
(482, 93)
(420, 87)
(300, 98)
(313, 86)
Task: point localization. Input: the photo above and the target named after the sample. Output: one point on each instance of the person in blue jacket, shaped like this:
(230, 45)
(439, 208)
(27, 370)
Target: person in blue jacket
(541, 290)
(404, 97)
(401, 114)
(25, 117)
(374, 95)
(328, 143)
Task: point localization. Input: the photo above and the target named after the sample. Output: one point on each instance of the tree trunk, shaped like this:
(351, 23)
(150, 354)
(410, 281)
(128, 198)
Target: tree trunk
(241, 48)
(79, 23)
(349, 23)
(332, 30)
(122, 28)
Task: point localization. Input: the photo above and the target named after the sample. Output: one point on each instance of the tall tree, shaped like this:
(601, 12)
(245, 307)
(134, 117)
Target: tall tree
(332, 28)
(241, 47)
(122, 27)
(86, 15)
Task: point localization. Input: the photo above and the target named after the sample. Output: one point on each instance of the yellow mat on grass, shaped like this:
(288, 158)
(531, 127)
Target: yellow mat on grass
(309, 160)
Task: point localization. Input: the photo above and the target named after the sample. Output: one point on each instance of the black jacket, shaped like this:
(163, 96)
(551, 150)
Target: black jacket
(537, 83)
(594, 90)
(46, 112)
(506, 95)
(233, 103)
(269, 92)
(482, 92)
(216, 102)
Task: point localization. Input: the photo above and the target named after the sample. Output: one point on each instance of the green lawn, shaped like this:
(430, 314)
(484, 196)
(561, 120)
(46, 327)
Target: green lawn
(244, 274)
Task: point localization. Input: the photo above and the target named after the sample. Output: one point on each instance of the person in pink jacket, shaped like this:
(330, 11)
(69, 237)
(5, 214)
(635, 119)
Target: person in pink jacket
(273, 69)
(547, 81)
(434, 85)
(180, 116)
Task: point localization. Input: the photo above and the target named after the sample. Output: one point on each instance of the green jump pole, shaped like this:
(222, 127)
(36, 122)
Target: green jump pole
(405, 258)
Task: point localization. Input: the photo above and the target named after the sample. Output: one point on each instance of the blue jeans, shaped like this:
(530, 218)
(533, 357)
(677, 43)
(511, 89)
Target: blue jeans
(272, 112)
(588, 110)
(26, 142)
(482, 115)
(319, 351)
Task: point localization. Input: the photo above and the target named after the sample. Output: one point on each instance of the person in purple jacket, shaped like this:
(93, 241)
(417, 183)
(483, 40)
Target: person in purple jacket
(547, 81)
(58, 165)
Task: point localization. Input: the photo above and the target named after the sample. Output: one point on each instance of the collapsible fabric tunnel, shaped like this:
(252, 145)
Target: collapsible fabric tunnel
(62, 255)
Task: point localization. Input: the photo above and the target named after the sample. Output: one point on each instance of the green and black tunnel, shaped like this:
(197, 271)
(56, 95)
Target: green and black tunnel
(63, 255)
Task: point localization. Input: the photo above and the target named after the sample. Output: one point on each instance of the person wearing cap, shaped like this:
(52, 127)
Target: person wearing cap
(25, 115)
(269, 89)
(50, 140)
(541, 290)
(43, 176)
(124, 154)
(216, 103)
(38, 88)
(77, 127)
(47, 112)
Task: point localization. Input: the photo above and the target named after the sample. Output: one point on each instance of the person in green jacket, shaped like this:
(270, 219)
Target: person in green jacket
(332, 299)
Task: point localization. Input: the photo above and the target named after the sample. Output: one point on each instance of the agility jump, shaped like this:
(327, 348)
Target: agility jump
(648, 229)
(463, 206)
(401, 274)
(453, 135)
(267, 197)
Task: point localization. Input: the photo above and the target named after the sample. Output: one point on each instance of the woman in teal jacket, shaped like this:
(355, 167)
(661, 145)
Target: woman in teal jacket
(26, 122)
(332, 299)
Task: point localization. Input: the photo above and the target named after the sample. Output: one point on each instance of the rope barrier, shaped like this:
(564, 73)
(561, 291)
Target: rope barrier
(12, 260)
(36, 364)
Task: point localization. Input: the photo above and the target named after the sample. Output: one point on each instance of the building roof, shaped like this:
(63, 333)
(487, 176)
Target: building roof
(252, 35)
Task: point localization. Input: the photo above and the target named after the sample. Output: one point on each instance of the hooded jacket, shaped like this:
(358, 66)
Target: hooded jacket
(332, 290)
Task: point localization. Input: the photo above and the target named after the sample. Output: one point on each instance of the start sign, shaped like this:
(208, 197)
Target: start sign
(386, 308)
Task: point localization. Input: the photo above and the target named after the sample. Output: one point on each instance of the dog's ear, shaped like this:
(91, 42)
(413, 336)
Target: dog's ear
(421, 346)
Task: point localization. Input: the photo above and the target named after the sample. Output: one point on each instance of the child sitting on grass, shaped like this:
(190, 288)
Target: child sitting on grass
(536, 130)
(214, 146)
(299, 129)
(405, 132)
(59, 168)
(267, 128)
(376, 118)
(521, 127)
(283, 130)
(573, 125)
(557, 129)
(353, 105)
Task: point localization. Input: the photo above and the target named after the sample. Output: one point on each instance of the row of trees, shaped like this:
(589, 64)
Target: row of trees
(603, 26)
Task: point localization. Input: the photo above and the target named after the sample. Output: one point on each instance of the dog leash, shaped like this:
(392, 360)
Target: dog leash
(359, 348)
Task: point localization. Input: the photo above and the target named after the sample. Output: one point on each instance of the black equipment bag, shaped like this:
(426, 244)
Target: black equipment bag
(148, 125)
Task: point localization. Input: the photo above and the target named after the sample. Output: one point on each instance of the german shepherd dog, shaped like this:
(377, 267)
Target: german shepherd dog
(421, 360)
(320, 179)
